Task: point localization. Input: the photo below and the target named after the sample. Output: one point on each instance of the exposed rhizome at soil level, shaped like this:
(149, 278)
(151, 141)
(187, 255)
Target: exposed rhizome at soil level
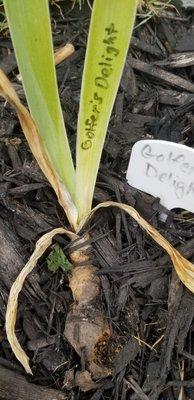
(150, 313)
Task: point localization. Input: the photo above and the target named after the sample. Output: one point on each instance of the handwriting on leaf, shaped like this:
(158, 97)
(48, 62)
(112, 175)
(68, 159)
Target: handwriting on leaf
(101, 82)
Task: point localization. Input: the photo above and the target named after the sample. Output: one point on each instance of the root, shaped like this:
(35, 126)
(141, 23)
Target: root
(86, 323)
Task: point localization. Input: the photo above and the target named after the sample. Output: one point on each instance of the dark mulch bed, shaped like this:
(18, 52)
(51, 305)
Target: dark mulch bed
(149, 310)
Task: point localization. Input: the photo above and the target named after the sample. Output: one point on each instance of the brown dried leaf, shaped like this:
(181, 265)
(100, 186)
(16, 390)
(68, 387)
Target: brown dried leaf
(63, 52)
(183, 267)
(37, 148)
(41, 246)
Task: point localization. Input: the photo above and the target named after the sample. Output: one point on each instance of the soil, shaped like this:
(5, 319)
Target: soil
(151, 314)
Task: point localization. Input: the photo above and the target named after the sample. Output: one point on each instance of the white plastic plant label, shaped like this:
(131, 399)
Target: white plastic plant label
(165, 170)
(187, 3)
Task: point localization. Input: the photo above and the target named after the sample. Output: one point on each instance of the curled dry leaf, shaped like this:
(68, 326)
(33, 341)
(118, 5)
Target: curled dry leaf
(85, 287)
(38, 149)
(183, 267)
(41, 246)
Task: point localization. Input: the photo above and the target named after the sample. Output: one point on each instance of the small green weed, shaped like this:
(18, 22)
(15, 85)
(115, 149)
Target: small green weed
(57, 259)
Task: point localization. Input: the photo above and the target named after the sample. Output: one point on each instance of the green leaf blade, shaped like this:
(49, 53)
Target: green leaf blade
(29, 23)
(110, 31)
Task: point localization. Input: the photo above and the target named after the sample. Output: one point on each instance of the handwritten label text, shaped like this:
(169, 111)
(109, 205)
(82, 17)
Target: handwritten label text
(165, 170)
